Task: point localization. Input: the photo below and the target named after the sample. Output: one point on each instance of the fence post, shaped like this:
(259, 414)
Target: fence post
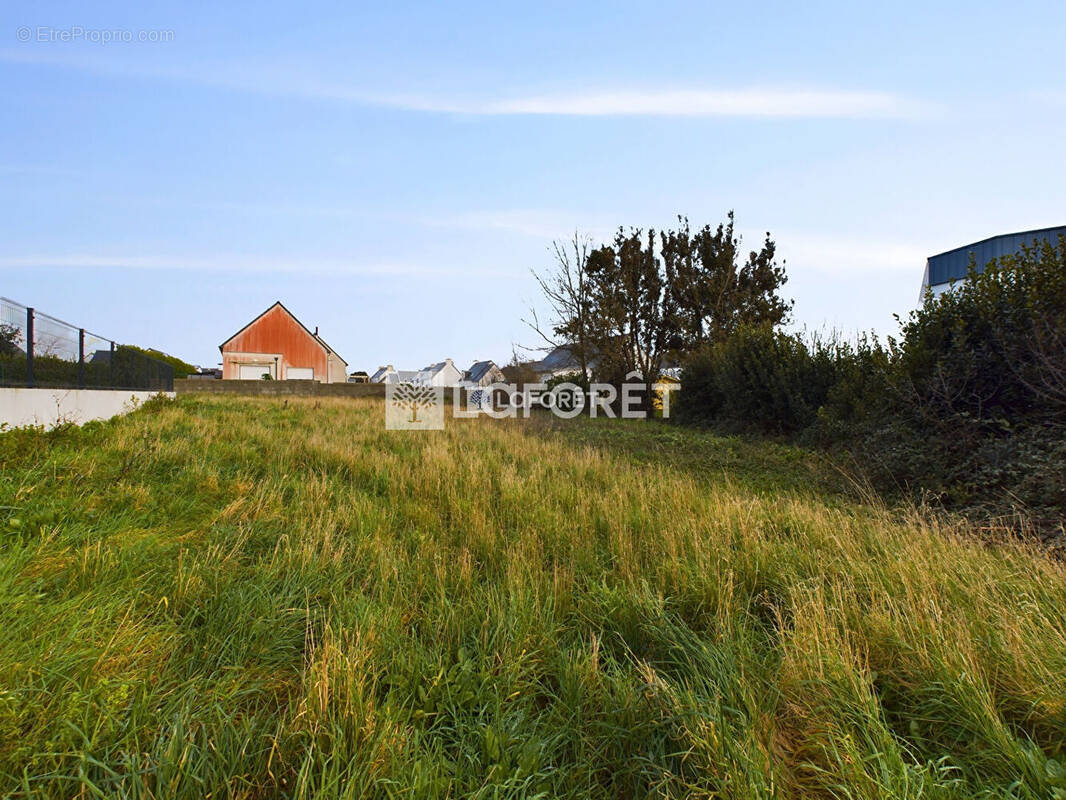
(81, 358)
(29, 348)
(111, 367)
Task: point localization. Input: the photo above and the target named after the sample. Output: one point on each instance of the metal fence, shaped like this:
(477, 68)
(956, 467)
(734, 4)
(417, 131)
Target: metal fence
(37, 350)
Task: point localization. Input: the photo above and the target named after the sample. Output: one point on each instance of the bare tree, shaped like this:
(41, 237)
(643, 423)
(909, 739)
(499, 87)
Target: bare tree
(567, 289)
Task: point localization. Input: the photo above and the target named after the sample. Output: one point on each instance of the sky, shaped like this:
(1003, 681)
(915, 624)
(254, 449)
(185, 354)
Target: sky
(393, 171)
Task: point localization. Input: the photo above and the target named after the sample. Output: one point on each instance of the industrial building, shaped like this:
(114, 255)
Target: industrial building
(952, 266)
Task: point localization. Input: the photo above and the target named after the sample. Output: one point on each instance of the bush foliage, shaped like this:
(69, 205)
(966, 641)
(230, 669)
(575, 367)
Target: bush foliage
(128, 367)
(968, 404)
(761, 379)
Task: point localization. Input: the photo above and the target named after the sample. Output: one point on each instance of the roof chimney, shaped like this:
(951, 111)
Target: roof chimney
(316, 330)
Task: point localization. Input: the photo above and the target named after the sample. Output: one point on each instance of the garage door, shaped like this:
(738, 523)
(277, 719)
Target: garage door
(252, 372)
(300, 374)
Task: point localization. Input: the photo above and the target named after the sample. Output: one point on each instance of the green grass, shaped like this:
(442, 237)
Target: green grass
(233, 597)
(756, 465)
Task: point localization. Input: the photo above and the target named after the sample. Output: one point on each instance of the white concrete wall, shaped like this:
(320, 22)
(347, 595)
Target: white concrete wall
(50, 407)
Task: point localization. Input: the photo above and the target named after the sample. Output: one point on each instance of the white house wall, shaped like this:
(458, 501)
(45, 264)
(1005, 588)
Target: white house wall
(448, 376)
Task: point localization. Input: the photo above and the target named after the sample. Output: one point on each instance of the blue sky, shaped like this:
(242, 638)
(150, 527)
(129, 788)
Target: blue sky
(392, 171)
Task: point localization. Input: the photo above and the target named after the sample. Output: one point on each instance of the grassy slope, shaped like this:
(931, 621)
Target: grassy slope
(751, 464)
(237, 597)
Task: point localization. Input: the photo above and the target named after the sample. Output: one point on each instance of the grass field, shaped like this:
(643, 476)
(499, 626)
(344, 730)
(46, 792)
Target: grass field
(250, 598)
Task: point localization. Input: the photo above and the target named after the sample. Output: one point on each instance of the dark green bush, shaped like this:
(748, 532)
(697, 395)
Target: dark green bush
(576, 378)
(182, 369)
(759, 379)
(994, 347)
(969, 405)
(127, 368)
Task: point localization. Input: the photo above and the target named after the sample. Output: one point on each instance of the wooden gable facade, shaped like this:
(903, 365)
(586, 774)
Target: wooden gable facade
(277, 344)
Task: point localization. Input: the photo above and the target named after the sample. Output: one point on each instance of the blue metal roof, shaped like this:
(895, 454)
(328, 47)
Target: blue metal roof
(953, 265)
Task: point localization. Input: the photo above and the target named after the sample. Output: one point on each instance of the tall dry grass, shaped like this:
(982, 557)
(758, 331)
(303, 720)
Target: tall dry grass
(250, 598)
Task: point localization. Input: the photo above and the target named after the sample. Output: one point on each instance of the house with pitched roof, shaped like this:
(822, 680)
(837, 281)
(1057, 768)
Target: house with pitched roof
(483, 373)
(277, 346)
(389, 374)
(443, 373)
(559, 361)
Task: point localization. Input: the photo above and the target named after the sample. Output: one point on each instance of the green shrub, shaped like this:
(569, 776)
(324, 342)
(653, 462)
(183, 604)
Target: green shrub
(994, 347)
(182, 369)
(969, 405)
(759, 379)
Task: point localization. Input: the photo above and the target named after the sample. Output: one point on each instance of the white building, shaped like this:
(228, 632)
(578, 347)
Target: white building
(443, 373)
(389, 374)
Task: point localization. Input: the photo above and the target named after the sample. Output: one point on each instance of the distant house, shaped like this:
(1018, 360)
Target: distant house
(443, 373)
(563, 361)
(277, 345)
(483, 373)
(359, 376)
(389, 374)
(953, 266)
(560, 361)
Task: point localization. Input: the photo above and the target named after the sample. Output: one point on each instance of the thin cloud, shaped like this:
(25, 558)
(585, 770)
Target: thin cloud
(243, 263)
(744, 102)
(823, 254)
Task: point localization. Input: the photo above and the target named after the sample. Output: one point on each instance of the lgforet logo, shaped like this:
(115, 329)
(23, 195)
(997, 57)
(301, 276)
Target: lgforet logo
(420, 407)
(414, 407)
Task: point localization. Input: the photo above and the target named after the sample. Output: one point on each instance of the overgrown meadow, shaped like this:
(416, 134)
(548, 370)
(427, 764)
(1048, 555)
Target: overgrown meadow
(235, 597)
